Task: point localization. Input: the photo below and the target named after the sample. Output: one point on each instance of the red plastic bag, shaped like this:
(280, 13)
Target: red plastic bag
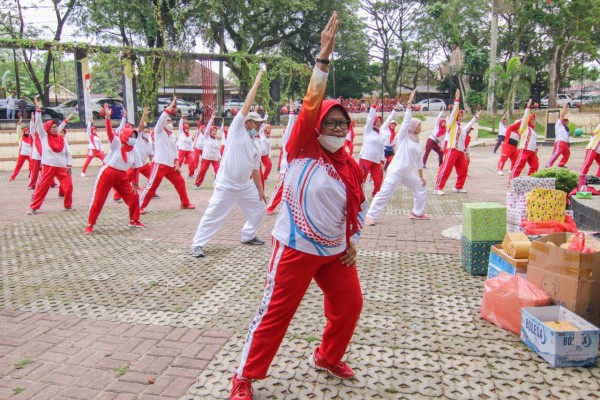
(578, 244)
(505, 295)
(548, 227)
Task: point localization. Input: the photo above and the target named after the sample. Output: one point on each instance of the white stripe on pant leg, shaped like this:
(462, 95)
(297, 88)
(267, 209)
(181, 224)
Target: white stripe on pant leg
(102, 169)
(554, 155)
(264, 305)
(149, 183)
(512, 172)
(442, 170)
(586, 160)
(277, 188)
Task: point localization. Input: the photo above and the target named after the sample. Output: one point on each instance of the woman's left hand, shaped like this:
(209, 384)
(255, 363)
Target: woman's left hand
(349, 257)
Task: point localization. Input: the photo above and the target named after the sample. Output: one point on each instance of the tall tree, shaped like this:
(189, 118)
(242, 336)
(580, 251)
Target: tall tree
(17, 28)
(392, 26)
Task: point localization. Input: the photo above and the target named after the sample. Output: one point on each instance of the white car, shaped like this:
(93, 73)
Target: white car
(184, 107)
(561, 100)
(586, 99)
(67, 108)
(432, 104)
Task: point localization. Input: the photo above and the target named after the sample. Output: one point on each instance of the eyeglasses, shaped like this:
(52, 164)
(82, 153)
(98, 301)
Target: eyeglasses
(169, 120)
(332, 124)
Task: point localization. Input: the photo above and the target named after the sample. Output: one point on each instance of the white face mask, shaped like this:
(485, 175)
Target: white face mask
(331, 143)
(146, 136)
(169, 127)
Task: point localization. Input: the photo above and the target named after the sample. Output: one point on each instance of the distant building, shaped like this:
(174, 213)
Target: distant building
(198, 85)
(60, 94)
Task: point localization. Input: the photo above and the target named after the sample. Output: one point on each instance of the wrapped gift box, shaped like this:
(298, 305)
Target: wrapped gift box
(475, 256)
(514, 228)
(516, 201)
(524, 184)
(546, 205)
(484, 222)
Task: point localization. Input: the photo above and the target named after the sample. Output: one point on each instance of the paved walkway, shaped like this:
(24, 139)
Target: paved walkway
(126, 314)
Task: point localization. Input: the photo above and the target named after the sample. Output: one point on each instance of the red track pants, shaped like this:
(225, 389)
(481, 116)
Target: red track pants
(204, 168)
(435, 146)
(35, 165)
(109, 178)
(145, 170)
(267, 164)
(525, 156)
(187, 157)
(452, 159)
(590, 157)
(560, 148)
(95, 153)
(160, 171)
(48, 175)
(509, 152)
(288, 277)
(20, 161)
(369, 167)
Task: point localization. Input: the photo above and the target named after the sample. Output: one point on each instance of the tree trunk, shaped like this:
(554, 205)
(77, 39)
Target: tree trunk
(553, 77)
(491, 103)
(465, 87)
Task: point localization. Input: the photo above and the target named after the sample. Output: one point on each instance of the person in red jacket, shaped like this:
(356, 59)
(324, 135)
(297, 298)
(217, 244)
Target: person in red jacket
(349, 143)
(509, 147)
(24, 139)
(527, 145)
(437, 136)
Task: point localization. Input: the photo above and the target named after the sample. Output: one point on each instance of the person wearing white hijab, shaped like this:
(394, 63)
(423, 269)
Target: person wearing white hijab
(406, 168)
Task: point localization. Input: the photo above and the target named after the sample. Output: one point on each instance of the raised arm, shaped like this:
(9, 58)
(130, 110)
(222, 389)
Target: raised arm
(563, 113)
(525, 119)
(180, 128)
(206, 132)
(436, 126)
(386, 124)
(371, 117)
(143, 119)
(472, 122)
(403, 131)
(251, 94)
(452, 117)
(39, 126)
(304, 131)
(108, 124)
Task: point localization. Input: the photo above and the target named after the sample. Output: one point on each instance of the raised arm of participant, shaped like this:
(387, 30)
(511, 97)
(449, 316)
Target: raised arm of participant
(39, 126)
(452, 117)
(32, 125)
(436, 126)
(206, 132)
(251, 94)
(525, 119)
(403, 131)
(122, 123)
(143, 119)
(180, 128)
(472, 122)
(563, 113)
(19, 130)
(371, 116)
(162, 120)
(108, 124)
(304, 131)
(386, 124)
(288, 128)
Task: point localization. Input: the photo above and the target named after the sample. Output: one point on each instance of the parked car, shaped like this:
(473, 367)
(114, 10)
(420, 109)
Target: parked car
(47, 113)
(71, 106)
(67, 108)
(432, 104)
(232, 103)
(561, 100)
(184, 107)
(586, 99)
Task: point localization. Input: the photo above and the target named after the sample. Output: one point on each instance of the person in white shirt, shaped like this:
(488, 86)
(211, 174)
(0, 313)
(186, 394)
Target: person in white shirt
(238, 181)
(388, 132)
(527, 145)
(210, 152)
(94, 146)
(24, 140)
(372, 154)
(113, 175)
(11, 105)
(198, 143)
(314, 237)
(406, 168)
(561, 142)
(56, 162)
(501, 131)
(165, 162)
(592, 153)
(185, 147)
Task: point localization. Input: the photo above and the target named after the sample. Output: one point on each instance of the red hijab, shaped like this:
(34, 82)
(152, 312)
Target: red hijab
(377, 118)
(26, 139)
(186, 130)
(56, 141)
(124, 136)
(441, 128)
(348, 170)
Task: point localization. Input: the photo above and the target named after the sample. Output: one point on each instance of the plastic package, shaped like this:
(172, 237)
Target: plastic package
(548, 227)
(505, 295)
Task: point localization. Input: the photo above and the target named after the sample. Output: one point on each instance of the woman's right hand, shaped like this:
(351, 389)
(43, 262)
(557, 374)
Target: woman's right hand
(328, 36)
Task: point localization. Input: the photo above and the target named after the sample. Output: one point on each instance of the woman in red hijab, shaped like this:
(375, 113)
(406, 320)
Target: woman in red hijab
(435, 140)
(314, 237)
(113, 175)
(56, 163)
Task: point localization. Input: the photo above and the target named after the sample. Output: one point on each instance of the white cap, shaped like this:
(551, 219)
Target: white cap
(254, 116)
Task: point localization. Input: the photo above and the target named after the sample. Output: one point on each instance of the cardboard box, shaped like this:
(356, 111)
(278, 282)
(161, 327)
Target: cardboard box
(484, 222)
(577, 348)
(516, 244)
(571, 278)
(501, 261)
(475, 256)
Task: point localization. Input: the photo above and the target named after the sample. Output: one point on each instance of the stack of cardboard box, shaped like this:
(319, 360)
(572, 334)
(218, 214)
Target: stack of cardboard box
(516, 199)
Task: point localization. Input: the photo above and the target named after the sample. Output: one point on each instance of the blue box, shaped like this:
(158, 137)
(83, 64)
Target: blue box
(501, 261)
(569, 348)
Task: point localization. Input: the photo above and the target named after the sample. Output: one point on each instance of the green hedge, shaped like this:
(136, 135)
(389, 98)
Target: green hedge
(566, 180)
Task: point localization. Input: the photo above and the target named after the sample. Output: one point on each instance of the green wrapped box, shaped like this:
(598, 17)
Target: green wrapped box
(475, 256)
(484, 222)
